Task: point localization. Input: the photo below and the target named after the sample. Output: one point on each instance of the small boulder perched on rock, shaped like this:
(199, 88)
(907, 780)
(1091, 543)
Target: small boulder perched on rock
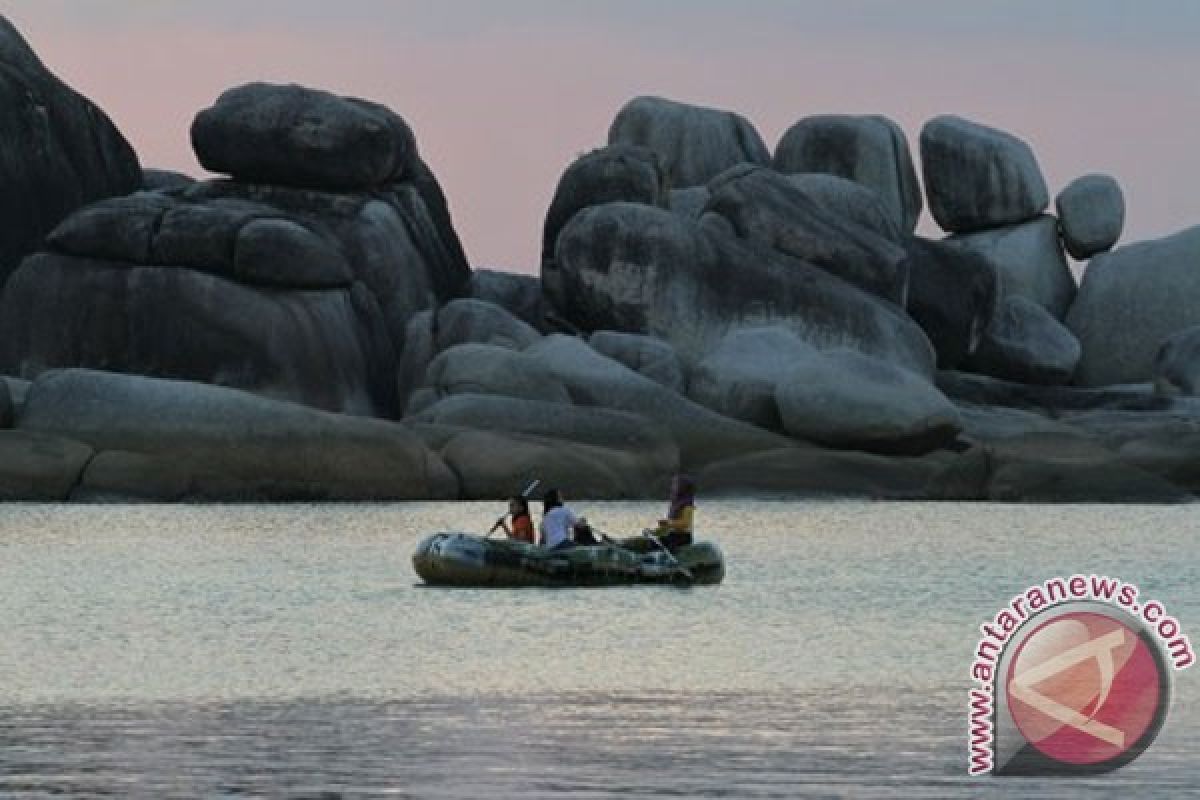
(978, 177)
(1024, 343)
(58, 151)
(738, 378)
(1091, 211)
(847, 400)
(172, 440)
(767, 209)
(640, 269)
(296, 136)
(952, 295)
(870, 150)
(694, 144)
(1177, 366)
(1130, 302)
(1028, 260)
(645, 355)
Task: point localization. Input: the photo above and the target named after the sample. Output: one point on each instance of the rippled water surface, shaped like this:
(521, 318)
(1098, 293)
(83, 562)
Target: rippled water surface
(290, 651)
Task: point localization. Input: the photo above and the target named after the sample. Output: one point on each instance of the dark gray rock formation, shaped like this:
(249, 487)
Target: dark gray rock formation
(966, 387)
(870, 150)
(978, 177)
(739, 377)
(520, 295)
(1130, 302)
(57, 151)
(1091, 211)
(296, 136)
(1028, 260)
(1025, 344)
(645, 355)
(848, 400)
(470, 320)
(490, 369)
(617, 173)
(639, 269)
(38, 467)
(694, 144)
(766, 208)
(171, 440)
(690, 203)
(952, 295)
(164, 180)
(1177, 365)
(851, 201)
(7, 410)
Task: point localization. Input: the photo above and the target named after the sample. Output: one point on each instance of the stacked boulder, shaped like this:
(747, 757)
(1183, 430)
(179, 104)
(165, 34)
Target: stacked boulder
(295, 278)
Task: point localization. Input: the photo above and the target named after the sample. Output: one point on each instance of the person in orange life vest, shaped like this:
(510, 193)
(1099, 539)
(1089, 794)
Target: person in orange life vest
(676, 530)
(522, 522)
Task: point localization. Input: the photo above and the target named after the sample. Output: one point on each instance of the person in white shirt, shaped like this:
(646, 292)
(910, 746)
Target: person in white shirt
(558, 522)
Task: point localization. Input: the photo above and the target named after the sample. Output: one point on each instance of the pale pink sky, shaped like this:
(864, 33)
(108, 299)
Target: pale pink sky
(503, 95)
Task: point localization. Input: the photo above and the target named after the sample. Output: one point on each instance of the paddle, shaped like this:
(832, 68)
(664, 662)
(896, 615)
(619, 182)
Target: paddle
(687, 573)
(525, 494)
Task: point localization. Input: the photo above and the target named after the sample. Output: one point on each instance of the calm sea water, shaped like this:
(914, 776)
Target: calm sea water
(289, 651)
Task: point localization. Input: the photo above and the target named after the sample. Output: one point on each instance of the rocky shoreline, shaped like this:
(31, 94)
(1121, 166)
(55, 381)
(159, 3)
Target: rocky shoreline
(307, 327)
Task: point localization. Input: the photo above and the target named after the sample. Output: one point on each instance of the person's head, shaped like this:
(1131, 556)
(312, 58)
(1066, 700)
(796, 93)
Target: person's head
(518, 505)
(551, 499)
(683, 493)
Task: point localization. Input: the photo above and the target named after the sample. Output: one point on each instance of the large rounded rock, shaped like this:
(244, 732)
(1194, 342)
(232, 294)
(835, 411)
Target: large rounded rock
(58, 151)
(321, 348)
(870, 150)
(645, 355)
(847, 400)
(489, 369)
(738, 378)
(594, 380)
(1130, 302)
(619, 172)
(468, 320)
(1177, 366)
(952, 295)
(1092, 212)
(978, 177)
(171, 440)
(639, 269)
(520, 295)
(296, 136)
(766, 208)
(851, 201)
(1024, 343)
(1028, 260)
(694, 144)
(39, 467)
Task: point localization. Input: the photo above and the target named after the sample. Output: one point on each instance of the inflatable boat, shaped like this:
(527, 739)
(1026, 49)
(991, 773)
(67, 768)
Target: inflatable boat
(463, 559)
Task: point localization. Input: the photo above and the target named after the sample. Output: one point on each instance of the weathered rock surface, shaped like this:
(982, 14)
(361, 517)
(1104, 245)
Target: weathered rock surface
(978, 177)
(690, 203)
(171, 440)
(982, 390)
(37, 467)
(296, 136)
(1130, 302)
(58, 151)
(645, 355)
(848, 400)
(1177, 365)
(766, 208)
(1170, 456)
(983, 423)
(639, 269)
(738, 378)
(870, 150)
(617, 173)
(851, 201)
(468, 320)
(1028, 260)
(1024, 343)
(491, 369)
(1091, 210)
(694, 144)
(520, 295)
(1069, 469)
(952, 295)
(7, 406)
(164, 180)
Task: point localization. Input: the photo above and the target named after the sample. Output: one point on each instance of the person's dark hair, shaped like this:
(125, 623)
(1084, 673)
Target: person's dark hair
(521, 502)
(551, 499)
(683, 496)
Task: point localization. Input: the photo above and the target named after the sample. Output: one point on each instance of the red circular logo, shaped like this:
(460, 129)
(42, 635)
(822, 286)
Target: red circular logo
(1085, 688)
